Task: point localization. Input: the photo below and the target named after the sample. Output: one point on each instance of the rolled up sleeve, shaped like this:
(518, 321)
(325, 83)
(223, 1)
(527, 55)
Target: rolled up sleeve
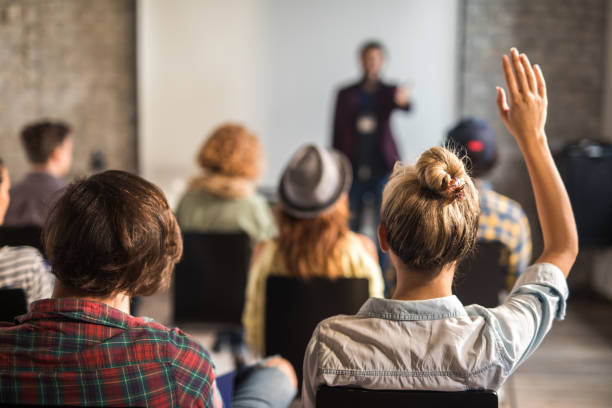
(538, 298)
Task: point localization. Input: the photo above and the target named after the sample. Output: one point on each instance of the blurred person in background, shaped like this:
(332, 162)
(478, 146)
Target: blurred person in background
(21, 267)
(48, 146)
(314, 238)
(501, 218)
(224, 198)
(362, 130)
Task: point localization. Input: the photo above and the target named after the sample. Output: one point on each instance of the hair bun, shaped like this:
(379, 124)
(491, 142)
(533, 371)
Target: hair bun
(442, 172)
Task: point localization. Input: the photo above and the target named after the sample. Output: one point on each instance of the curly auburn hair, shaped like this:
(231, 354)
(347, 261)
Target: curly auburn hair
(309, 247)
(232, 150)
(110, 233)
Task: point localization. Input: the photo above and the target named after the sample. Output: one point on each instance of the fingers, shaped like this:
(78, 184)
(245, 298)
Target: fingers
(528, 72)
(510, 80)
(521, 79)
(502, 103)
(540, 81)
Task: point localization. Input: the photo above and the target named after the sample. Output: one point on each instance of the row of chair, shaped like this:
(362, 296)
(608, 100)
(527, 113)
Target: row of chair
(210, 283)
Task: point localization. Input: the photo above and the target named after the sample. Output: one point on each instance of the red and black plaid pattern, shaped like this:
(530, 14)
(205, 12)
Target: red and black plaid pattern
(77, 352)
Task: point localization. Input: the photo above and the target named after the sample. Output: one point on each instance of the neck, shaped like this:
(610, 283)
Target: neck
(49, 167)
(119, 301)
(416, 285)
(369, 82)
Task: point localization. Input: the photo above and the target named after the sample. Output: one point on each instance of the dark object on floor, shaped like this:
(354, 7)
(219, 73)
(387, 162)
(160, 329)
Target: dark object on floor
(21, 236)
(13, 303)
(481, 277)
(357, 398)
(586, 167)
(295, 307)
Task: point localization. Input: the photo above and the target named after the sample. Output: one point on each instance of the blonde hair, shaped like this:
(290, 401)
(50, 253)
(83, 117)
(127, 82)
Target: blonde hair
(430, 211)
(232, 150)
(310, 247)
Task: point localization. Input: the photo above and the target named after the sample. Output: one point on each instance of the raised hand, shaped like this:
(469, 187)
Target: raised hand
(524, 112)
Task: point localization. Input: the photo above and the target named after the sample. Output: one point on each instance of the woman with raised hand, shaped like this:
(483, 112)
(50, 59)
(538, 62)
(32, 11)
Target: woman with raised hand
(424, 338)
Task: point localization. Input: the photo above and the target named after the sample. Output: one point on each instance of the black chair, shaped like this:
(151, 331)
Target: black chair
(20, 236)
(210, 281)
(13, 303)
(481, 277)
(294, 308)
(328, 397)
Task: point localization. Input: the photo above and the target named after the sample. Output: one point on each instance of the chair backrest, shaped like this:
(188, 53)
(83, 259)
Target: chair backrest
(294, 308)
(20, 236)
(481, 277)
(357, 398)
(13, 303)
(210, 281)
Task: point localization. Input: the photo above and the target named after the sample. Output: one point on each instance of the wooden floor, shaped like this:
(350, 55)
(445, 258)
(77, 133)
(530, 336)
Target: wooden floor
(572, 368)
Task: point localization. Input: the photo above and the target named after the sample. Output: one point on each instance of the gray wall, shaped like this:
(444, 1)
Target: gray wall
(567, 38)
(71, 60)
(277, 70)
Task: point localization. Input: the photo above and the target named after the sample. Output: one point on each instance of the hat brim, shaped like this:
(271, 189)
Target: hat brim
(346, 179)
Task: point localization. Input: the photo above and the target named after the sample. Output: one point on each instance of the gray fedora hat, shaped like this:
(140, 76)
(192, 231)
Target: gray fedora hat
(313, 180)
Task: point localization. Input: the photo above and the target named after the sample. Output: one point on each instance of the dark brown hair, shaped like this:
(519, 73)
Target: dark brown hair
(112, 232)
(371, 45)
(42, 138)
(431, 211)
(310, 247)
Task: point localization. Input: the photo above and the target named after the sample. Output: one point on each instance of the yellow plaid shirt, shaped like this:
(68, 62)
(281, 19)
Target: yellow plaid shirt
(503, 220)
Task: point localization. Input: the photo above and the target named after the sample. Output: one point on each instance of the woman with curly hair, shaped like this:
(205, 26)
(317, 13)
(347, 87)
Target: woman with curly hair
(224, 197)
(314, 238)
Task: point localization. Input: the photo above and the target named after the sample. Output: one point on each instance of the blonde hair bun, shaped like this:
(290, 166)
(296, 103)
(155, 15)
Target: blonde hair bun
(442, 172)
(430, 211)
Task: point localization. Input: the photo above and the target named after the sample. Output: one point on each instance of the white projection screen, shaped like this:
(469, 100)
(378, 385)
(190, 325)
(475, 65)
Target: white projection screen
(275, 65)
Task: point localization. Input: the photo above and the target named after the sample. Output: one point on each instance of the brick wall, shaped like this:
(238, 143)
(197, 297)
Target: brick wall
(72, 60)
(567, 38)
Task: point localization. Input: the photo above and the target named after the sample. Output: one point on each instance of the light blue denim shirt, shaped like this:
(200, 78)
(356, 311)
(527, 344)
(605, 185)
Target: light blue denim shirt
(435, 344)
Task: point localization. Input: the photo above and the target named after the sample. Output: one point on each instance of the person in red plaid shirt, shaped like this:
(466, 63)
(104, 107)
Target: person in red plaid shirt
(110, 237)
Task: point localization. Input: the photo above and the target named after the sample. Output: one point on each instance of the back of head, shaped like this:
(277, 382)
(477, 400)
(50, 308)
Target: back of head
(42, 138)
(232, 150)
(313, 211)
(112, 232)
(476, 139)
(430, 211)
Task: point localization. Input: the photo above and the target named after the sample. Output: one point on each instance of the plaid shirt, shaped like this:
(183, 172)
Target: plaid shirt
(77, 352)
(503, 220)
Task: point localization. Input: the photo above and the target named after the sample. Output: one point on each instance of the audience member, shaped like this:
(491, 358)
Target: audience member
(501, 218)
(21, 267)
(223, 199)
(108, 238)
(48, 147)
(424, 338)
(314, 238)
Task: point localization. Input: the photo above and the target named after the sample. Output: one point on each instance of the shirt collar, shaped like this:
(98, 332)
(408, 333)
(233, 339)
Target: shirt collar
(78, 309)
(430, 309)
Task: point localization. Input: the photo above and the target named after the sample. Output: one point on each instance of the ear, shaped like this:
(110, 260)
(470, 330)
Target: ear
(382, 238)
